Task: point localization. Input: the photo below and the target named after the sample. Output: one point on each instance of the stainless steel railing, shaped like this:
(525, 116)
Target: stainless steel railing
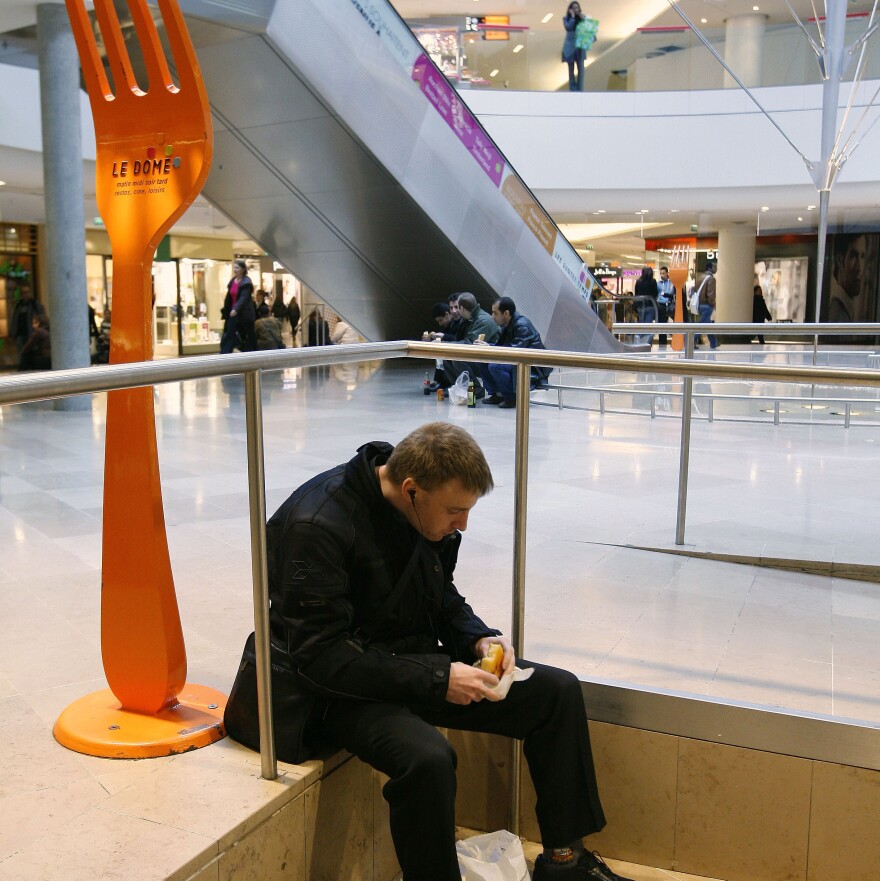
(34, 387)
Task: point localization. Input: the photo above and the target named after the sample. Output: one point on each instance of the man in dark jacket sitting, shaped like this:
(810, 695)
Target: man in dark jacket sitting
(516, 330)
(361, 560)
(476, 326)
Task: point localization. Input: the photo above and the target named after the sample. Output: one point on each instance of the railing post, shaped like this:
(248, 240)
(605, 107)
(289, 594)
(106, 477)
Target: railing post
(602, 403)
(776, 412)
(687, 395)
(848, 414)
(259, 569)
(523, 377)
(653, 406)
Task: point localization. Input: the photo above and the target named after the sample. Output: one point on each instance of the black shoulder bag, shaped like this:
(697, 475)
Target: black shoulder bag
(292, 703)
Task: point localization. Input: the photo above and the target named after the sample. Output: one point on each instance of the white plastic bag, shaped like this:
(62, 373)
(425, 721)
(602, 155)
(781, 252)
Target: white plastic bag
(495, 856)
(458, 391)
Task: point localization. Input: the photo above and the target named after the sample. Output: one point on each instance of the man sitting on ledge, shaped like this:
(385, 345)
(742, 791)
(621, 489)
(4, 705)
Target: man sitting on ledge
(361, 560)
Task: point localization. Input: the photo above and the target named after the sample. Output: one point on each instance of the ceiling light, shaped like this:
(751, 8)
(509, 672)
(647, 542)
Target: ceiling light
(811, 207)
(600, 211)
(704, 20)
(800, 220)
(517, 48)
(756, 9)
(494, 72)
(2, 183)
(547, 18)
(765, 207)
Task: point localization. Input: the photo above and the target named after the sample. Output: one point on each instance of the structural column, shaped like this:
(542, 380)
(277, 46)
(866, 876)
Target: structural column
(63, 187)
(744, 48)
(735, 279)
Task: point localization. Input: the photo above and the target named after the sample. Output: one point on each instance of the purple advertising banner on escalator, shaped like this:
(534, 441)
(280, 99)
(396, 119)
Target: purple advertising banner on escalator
(442, 95)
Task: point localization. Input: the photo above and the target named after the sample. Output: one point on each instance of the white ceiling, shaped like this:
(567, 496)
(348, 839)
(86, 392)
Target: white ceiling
(618, 18)
(22, 197)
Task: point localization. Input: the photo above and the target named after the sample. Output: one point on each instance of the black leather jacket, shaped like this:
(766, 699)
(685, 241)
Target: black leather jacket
(336, 549)
(521, 333)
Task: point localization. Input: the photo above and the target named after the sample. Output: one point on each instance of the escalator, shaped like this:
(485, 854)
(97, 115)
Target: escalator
(344, 152)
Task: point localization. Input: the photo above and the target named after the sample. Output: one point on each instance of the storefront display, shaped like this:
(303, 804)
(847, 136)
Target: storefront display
(18, 258)
(468, 54)
(784, 283)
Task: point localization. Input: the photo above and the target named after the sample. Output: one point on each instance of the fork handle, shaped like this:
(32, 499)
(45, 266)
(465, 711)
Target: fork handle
(141, 637)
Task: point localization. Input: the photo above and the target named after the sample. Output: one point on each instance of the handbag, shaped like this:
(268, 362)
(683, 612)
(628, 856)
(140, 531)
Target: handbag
(291, 706)
(694, 301)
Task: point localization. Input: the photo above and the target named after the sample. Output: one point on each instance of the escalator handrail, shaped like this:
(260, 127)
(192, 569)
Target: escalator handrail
(596, 283)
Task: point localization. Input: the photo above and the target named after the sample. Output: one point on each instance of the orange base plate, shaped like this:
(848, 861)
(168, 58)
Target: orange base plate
(98, 726)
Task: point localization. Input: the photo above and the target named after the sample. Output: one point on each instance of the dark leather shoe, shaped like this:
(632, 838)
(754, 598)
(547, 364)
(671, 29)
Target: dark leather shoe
(590, 867)
(493, 399)
(507, 404)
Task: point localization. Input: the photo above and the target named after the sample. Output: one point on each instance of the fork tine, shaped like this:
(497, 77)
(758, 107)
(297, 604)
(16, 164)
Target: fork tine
(151, 46)
(185, 60)
(117, 55)
(97, 84)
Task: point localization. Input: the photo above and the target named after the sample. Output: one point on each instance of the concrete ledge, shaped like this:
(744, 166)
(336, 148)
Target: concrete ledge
(706, 809)
(205, 815)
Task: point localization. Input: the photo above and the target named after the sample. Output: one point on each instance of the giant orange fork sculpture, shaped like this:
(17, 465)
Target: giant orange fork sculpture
(153, 155)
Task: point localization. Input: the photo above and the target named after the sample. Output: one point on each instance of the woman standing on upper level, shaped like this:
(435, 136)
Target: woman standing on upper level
(570, 53)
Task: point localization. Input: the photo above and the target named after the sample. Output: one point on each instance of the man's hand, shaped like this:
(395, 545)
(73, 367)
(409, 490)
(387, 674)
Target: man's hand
(479, 342)
(468, 684)
(481, 649)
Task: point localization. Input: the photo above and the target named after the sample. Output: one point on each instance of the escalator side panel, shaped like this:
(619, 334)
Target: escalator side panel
(327, 128)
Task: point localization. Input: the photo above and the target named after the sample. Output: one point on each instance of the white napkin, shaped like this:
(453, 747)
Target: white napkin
(515, 675)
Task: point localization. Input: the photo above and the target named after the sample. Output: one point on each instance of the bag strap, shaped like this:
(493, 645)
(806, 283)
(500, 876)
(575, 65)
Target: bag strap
(365, 632)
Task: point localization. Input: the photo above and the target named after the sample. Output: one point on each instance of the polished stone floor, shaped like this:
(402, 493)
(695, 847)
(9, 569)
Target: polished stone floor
(597, 483)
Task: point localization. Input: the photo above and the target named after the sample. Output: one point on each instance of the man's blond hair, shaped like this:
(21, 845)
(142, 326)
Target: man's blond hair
(438, 452)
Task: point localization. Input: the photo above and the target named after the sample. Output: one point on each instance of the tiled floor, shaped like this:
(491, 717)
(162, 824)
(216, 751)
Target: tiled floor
(596, 483)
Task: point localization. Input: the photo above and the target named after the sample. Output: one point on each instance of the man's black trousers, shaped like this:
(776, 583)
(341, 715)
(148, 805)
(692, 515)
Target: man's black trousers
(546, 712)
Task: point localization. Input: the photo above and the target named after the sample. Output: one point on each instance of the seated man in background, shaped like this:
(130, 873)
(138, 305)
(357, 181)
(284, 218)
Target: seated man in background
(447, 329)
(364, 609)
(36, 353)
(517, 331)
(457, 324)
(442, 315)
(477, 325)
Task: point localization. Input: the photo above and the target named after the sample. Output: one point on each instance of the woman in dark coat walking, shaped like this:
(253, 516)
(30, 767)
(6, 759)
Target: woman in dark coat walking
(317, 329)
(760, 312)
(238, 310)
(646, 287)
